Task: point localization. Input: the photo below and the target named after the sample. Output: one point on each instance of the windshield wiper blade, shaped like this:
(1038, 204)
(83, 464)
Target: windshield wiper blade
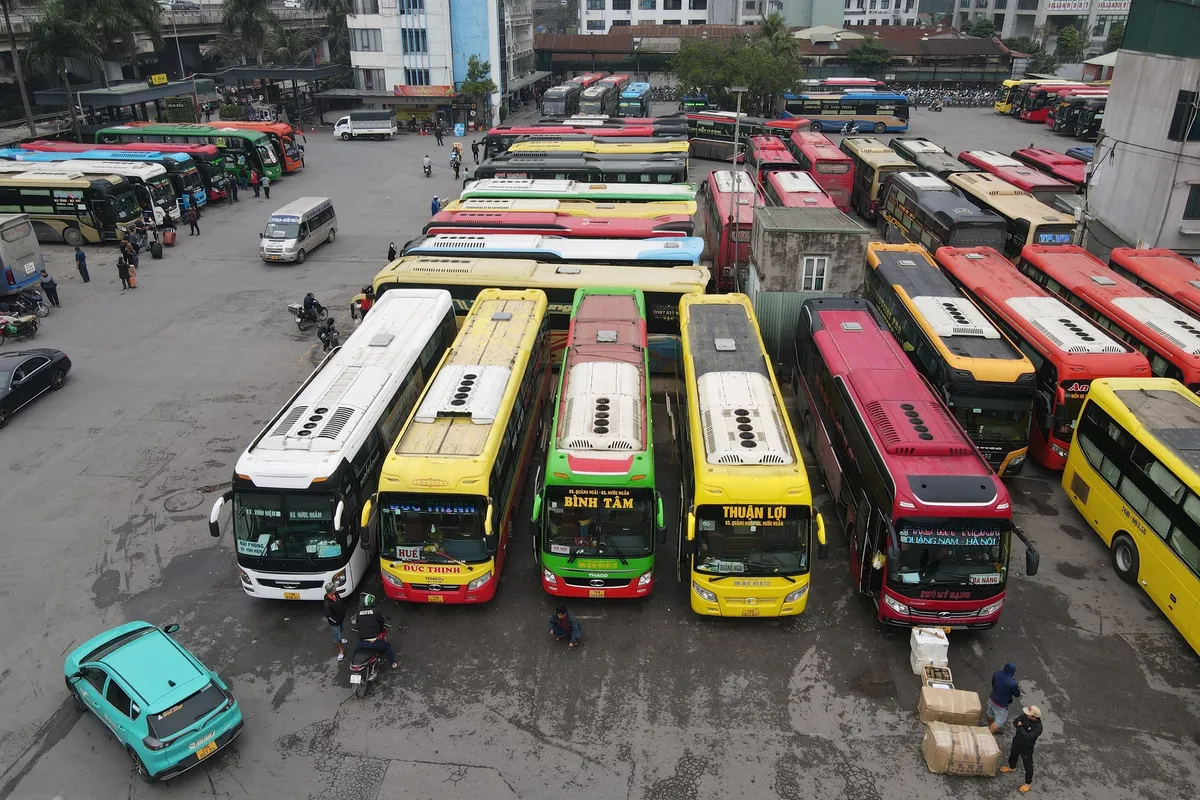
(620, 556)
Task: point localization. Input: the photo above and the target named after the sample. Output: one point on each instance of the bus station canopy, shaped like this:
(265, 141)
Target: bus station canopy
(124, 94)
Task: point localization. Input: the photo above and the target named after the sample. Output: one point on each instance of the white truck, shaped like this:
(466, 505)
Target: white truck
(370, 124)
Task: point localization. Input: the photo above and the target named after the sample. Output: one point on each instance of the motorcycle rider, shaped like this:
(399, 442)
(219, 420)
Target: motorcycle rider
(311, 306)
(327, 333)
(427, 165)
(371, 624)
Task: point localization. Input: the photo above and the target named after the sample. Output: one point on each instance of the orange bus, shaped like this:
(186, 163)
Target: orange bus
(283, 140)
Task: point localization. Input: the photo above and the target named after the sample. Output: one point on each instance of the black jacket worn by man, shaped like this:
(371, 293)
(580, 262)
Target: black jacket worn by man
(1026, 731)
(335, 610)
(370, 623)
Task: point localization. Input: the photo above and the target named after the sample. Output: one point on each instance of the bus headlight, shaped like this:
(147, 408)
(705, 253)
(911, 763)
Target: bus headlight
(339, 580)
(644, 581)
(1058, 451)
(796, 595)
(1016, 462)
(895, 605)
(990, 608)
(550, 577)
(704, 593)
(392, 580)
(480, 581)
(244, 575)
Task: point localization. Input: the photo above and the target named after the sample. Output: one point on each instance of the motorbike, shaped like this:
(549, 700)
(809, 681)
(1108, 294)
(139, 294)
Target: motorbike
(19, 328)
(306, 319)
(428, 169)
(26, 302)
(850, 129)
(937, 105)
(329, 336)
(364, 668)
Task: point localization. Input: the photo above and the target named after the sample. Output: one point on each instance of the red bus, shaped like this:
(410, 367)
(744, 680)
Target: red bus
(619, 81)
(928, 523)
(832, 169)
(767, 153)
(726, 235)
(1163, 333)
(554, 223)
(586, 80)
(795, 189)
(1162, 272)
(1043, 187)
(210, 162)
(712, 132)
(1068, 350)
(1040, 98)
(498, 140)
(1054, 164)
(281, 135)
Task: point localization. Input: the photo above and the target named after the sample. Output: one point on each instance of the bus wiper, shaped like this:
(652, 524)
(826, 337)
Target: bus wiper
(763, 569)
(620, 556)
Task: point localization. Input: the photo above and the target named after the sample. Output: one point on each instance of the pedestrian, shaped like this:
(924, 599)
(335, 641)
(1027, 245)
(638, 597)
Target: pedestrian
(233, 190)
(193, 220)
(1026, 730)
(254, 181)
(81, 264)
(437, 134)
(435, 205)
(266, 185)
(335, 615)
(391, 251)
(50, 287)
(1004, 690)
(475, 151)
(123, 272)
(565, 625)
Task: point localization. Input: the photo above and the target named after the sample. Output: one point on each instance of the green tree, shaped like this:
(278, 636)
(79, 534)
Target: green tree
(1071, 45)
(117, 24)
(291, 45)
(703, 65)
(479, 83)
(18, 71)
(1022, 44)
(57, 35)
(870, 55)
(1116, 37)
(982, 27)
(336, 31)
(1044, 63)
(252, 20)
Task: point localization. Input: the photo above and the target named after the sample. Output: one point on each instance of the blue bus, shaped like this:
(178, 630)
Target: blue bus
(682, 251)
(869, 111)
(20, 255)
(181, 168)
(635, 101)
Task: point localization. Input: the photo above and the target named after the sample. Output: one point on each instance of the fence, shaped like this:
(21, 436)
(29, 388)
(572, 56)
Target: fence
(778, 313)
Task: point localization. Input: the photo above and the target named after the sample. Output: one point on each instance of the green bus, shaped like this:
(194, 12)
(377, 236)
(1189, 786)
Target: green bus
(503, 188)
(596, 510)
(247, 149)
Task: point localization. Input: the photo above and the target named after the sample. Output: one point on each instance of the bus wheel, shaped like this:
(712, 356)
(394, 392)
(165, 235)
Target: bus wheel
(880, 127)
(1125, 558)
(807, 429)
(815, 127)
(300, 256)
(72, 236)
(345, 137)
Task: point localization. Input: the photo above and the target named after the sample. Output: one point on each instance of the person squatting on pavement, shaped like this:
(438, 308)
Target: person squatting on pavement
(1004, 690)
(1026, 730)
(564, 625)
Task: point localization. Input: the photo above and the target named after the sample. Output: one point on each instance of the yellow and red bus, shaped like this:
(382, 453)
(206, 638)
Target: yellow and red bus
(1133, 475)
(730, 198)
(451, 485)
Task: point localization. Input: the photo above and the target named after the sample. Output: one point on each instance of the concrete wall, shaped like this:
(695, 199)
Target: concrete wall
(777, 257)
(1140, 182)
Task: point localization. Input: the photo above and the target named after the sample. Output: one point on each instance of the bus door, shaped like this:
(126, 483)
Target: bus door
(864, 545)
(101, 217)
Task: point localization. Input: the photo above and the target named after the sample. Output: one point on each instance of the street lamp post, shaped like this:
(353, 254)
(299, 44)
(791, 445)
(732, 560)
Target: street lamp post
(735, 228)
(637, 55)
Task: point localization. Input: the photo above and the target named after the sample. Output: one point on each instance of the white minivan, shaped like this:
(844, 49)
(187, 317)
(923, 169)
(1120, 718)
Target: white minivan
(294, 230)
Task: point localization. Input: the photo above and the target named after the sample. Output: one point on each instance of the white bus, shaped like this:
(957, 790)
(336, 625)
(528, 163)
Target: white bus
(151, 184)
(299, 487)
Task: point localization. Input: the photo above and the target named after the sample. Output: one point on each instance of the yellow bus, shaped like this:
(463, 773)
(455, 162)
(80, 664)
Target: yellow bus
(451, 485)
(873, 162)
(71, 207)
(1133, 473)
(1007, 90)
(604, 149)
(464, 278)
(747, 520)
(1026, 220)
(983, 377)
(575, 208)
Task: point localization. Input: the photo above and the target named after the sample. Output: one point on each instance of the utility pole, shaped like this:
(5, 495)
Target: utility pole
(737, 192)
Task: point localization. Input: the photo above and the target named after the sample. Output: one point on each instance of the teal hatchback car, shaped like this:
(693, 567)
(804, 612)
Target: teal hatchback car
(168, 710)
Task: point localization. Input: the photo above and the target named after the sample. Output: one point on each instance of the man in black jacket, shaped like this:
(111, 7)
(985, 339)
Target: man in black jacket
(371, 624)
(1026, 731)
(335, 615)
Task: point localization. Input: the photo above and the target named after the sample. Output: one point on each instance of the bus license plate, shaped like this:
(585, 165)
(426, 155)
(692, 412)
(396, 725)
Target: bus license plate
(749, 612)
(596, 593)
(436, 598)
(206, 751)
(291, 595)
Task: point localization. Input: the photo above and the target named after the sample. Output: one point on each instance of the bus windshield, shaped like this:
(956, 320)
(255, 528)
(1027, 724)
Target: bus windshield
(958, 552)
(282, 230)
(749, 539)
(286, 525)
(434, 528)
(191, 180)
(993, 420)
(623, 532)
(124, 203)
(977, 234)
(267, 154)
(160, 189)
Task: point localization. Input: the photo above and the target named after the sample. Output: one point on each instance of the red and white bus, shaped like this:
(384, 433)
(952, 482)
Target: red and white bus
(618, 80)
(1165, 334)
(553, 223)
(1054, 103)
(729, 201)
(1163, 272)
(1054, 164)
(1039, 99)
(767, 153)
(498, 140)
(832, 169)
(795, 189)
(586, 80)
(1068, 350)
(712, 132)
(1043, 187)
(928, 523)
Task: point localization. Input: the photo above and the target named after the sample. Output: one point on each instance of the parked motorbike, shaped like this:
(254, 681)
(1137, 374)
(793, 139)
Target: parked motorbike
(936, 105)
(364, 668)
(306, 319)
(19, 328)
(26, 302)
(328, 334)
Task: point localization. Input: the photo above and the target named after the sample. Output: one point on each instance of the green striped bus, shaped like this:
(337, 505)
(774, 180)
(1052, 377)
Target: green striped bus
(248, 149)
(503, 188)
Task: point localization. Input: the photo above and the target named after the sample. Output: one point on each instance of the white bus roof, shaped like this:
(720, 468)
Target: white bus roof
(729, 181)
(994, 159)
(795, 181)
(137, 169)
(300, 206)
(568, 250)
(341, 402)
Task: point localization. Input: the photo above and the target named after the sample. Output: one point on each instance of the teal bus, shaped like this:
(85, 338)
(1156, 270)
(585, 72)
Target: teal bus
(247, 149)
(596, 511)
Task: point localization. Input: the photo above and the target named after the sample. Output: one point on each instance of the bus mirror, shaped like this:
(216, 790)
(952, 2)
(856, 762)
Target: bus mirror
(365, 520)
(214, 527)
(691, 529)
(537, 508)
(337, 515)
(822, 544)
(487, 520)
(660, 518)
(1032, 560)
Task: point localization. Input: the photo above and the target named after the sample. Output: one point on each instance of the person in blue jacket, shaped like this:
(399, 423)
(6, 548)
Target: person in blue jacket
(565, 625)
(1005, 689)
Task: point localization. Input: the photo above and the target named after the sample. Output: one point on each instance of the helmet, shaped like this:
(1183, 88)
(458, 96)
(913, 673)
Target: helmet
(367, 600)
(330, 588)
(310, 294)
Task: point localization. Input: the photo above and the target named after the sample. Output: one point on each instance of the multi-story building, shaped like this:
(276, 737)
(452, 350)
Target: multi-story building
(882, 13)
(1021, 17)
(598, 16)
(400, 45)
(1145, 181)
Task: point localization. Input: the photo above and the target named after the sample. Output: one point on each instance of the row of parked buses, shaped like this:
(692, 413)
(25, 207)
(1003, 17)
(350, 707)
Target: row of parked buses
(1068, 107)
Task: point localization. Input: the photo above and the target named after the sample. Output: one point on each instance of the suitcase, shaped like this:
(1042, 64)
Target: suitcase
(156, 249)
(132, 280)
(168, 237)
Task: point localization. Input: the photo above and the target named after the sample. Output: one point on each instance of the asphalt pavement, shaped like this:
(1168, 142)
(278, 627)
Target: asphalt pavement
(105, 502)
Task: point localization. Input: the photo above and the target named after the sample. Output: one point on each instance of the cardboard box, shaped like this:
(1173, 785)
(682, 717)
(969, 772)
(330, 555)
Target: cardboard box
(951, 706)
(960, 750)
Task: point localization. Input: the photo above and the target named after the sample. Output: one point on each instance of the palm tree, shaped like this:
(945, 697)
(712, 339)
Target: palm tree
(773, 34)
(335, 21)
(252, 20)
(56, 36)
(118, 22)
(292, 45)
(16, 57)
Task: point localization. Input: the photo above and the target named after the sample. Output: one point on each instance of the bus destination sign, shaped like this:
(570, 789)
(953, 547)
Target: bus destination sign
(614, 498)
(754, 516)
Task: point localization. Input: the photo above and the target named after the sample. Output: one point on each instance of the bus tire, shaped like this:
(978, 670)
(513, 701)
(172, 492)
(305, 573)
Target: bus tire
(345, 137)
(300, 256)
(1125, 559)
(332, 235)
(880, 127)
(808, 431)
(72, 236)
(815, 127)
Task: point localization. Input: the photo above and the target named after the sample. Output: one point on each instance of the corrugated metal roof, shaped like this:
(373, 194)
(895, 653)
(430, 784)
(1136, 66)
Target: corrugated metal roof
(820, 220)
(693, 31)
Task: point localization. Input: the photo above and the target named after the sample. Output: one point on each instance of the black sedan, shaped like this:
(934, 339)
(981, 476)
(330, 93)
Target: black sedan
(25, 375)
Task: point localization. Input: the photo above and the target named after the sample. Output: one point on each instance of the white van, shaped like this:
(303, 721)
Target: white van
(294, 230)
